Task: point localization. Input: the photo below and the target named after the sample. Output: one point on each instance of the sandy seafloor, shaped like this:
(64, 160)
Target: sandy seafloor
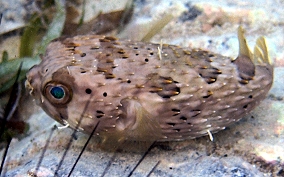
(253, 146)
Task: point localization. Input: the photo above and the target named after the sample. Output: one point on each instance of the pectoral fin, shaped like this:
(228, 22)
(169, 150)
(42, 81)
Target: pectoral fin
(134, 125)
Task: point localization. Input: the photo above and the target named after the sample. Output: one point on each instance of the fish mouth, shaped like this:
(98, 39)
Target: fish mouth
(29, 87)
(33, 80)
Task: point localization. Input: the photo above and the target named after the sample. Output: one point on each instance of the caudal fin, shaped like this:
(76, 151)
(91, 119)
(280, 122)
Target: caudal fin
(261, 51)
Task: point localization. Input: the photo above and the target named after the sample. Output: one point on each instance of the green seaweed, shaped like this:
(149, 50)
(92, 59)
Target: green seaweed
(29, 37)
(8, 71)
(56, 26)
(158, 26)
(8, 68)
(81, 21)
(5, 56)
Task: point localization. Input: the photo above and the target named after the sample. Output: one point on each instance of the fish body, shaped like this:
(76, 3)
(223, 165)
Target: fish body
(147, 92)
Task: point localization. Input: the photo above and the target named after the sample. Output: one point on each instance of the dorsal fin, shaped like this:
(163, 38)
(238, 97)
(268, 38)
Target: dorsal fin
(243, 46)
(244, 61)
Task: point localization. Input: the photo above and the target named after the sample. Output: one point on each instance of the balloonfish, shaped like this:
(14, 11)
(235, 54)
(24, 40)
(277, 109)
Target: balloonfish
(137, 91)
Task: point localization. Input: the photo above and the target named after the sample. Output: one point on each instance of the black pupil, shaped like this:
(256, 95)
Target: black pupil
(57, 92)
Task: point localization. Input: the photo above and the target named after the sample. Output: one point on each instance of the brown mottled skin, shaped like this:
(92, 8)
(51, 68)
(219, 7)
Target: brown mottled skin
(143, 91)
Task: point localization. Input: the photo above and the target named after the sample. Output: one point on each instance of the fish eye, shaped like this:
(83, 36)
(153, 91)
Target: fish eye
(57, 93)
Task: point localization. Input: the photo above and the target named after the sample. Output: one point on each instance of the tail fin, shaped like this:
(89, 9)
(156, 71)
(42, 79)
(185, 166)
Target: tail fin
(261, 51)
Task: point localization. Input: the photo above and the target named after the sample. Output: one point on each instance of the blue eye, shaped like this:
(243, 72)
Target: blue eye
(57, 92)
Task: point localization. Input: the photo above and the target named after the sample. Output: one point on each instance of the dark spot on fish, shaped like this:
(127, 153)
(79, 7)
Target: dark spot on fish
(207, 96)
(165, 87)
(201, 62)
(197, 113)
(146, 59)
(171, 124)
(121, 51)
(209, 93)
(177, 130)
(109, 76)
(169, 93)
(100, 114)
(209, 74)
(95, 48)
(175, 110)
(183, 118)
(176, 113)
(105, 94)
(83, 54)
(88, 91)
(125, 56)
(216, 71)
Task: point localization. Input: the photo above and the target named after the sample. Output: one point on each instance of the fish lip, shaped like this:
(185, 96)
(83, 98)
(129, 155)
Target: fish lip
(29, 87)
(33, 79)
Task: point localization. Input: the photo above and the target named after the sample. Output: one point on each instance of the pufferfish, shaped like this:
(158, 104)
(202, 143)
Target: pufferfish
(136, 91)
